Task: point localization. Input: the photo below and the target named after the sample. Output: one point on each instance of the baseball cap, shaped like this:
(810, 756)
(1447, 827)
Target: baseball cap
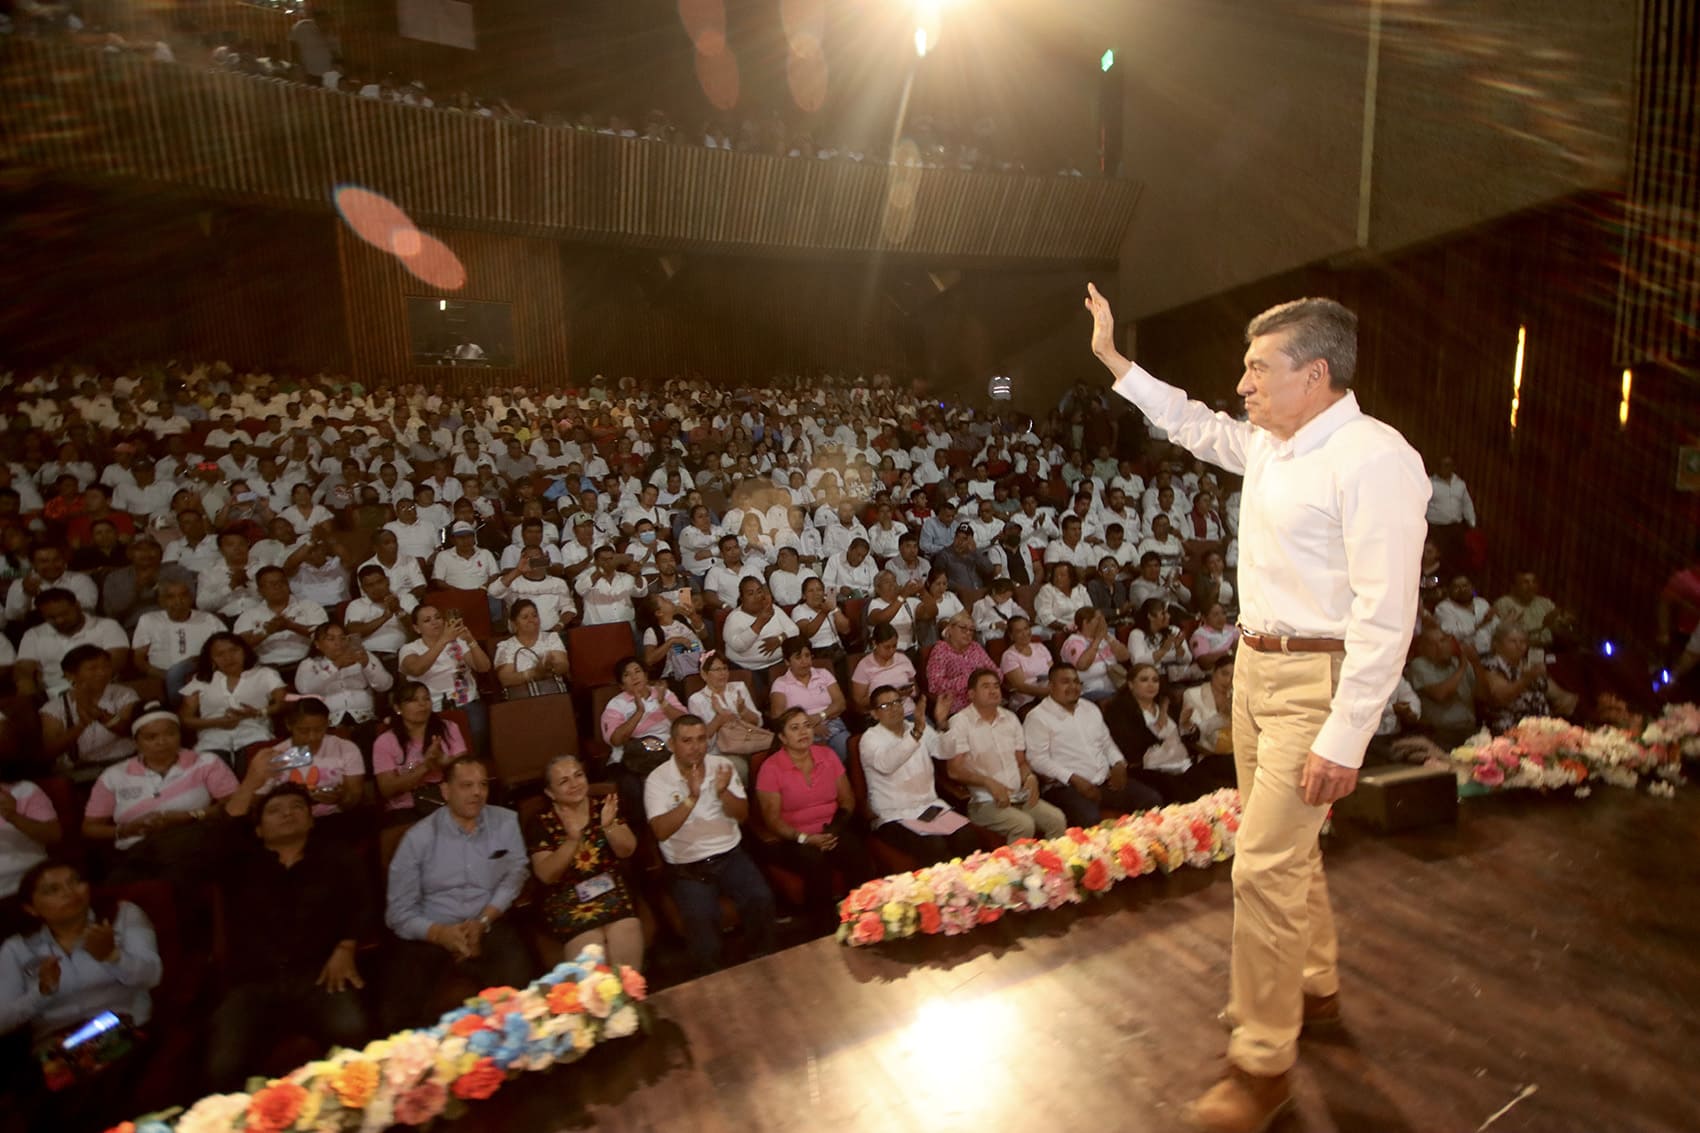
(463, 528)
(965, 529)
(580, 517)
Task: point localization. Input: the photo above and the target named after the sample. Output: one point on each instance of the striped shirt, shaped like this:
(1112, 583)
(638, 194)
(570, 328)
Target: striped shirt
(130, 791)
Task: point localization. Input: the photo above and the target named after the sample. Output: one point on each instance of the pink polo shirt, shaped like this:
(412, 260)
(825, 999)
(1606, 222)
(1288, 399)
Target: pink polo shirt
(129, 791)
(806, 803)
(816, 696)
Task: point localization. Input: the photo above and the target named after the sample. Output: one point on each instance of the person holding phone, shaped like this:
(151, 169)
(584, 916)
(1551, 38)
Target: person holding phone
(898, 759)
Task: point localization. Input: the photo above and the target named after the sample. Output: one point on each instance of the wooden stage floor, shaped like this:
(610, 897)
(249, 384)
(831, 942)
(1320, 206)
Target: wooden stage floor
(1546, 943)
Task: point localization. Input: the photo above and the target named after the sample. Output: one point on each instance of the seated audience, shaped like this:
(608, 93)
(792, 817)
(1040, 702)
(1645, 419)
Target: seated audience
(1026, 665)
(64, 626)
(167, 642)
(446, 658)
(934, 609)
(297, 906)
(889, 607)
(993, 611)
(1055, 603)
(152, 805)
(576, 845)
(280, 628)
(1515, 686)
(1214, 638)
(725, 705)
(989, 755)
(451, 882)
(813, 690)
(953, 660)
(1069, 747)
(335, 779)
(1140, 718)
(29, 829)
(674, 643)
(343, 675)
(86, 728)
(1212, 708)
(232, 698)
(755, 632)
(1156, 641)
(634, 722)
(78, 958)
(696, 804)
(1445, 684)
(532, 661)
(408, 758)
(1466, 617)
(898, 761)
(822, 622)
(884, 664)
(380, 617)
(1096, 655)
(807, 803)
(1528, 609)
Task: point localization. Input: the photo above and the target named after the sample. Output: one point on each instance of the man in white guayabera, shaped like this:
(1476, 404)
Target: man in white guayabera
(1332, 523)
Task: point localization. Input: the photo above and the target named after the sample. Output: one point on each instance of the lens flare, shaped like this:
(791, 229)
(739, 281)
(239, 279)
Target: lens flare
(705, 23)
(718, 74)
(372, 217)
(434, 262)
(806, 74)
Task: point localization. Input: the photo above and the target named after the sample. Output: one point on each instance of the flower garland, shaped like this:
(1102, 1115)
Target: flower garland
(415, 1076)
(955, 897)
(1546, 754)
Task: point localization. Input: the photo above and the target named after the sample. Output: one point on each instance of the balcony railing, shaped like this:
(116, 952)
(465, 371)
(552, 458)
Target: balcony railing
(87, 113)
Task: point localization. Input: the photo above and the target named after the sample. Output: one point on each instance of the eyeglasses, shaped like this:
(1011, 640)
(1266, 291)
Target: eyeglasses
(887, 704)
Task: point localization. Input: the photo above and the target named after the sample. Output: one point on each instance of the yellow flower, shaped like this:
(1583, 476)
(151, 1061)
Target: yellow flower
(893, 912)
(355, 1083)
(310, 1109)
(610, 988)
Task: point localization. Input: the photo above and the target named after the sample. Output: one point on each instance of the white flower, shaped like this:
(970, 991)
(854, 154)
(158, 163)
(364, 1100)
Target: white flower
(621, 1023)
(215, 1114)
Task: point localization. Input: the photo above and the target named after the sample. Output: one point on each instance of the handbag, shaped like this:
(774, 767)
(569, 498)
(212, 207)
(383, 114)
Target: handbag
(550, 685)
(740, 737)
(640, 757)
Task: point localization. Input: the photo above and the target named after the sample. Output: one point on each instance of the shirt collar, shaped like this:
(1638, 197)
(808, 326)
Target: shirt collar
(1315, 432)
(185, 760)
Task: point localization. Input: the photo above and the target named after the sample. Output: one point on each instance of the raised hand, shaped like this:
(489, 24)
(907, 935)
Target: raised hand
(611, 810)
(1103, 322)
(722, 778)
(100, 941)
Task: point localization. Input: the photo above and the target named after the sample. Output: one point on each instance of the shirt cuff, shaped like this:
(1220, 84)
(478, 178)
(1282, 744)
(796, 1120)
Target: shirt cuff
(414, 928)
(1337, 742)
(1137, 383)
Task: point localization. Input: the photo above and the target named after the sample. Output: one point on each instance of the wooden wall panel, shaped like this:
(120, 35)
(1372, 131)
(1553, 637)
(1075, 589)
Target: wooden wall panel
(503, 269)
(85, 113)
(1591, 507)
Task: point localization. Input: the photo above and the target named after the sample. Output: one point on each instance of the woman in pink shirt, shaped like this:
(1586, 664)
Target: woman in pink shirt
(806, 801)
(1026, 665)
(816, 692)
(409, 758)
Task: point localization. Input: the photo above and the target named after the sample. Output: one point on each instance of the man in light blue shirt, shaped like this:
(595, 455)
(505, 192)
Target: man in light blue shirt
(451, 880)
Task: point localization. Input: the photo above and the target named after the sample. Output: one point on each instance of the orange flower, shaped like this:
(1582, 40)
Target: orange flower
(563, 999)
(632, 980)
(484, 1079)
(1097, 878)
(988, 914)
(1079, 836)
(496, 994)
(275, 1108)
(1048, 861)
(123, 1127)
(467, 1025)
(931, 922)
(1131, 860)
(355, 1084)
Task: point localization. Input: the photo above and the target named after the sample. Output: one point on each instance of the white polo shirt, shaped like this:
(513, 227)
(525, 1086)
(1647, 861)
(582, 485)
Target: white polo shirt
(709, 830)
(47, 647)
(465, 572)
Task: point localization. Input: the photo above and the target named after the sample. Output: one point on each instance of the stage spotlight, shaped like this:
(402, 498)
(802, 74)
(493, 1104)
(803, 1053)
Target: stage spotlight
(921, 42)
(1000, 388)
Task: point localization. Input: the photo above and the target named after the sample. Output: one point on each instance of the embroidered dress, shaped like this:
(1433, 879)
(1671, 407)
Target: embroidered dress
(591, 892)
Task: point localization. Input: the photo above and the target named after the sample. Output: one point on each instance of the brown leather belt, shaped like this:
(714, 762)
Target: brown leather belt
(1269, 643)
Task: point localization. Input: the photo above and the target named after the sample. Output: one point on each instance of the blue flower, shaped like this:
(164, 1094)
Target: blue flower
(484, 1042)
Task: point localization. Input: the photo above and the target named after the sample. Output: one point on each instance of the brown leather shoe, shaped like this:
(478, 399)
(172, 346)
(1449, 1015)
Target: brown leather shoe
(1240, 1103)
(1322, 1014)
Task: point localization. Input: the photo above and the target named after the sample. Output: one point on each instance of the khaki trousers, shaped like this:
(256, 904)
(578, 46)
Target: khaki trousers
(1034, 818)
(1284, 945)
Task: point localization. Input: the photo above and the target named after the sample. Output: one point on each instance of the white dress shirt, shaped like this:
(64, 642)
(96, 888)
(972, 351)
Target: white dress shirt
(1062, 744)
(899, 770)
(743, 640)
(1450, 502)
(608, 600)
(553, 596)
(346, 691)
(1331, 532)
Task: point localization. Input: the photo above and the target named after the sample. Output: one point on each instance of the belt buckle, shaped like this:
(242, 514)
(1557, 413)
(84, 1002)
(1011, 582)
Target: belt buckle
(1284, 640)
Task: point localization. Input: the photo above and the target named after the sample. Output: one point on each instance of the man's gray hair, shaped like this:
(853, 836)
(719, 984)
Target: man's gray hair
(1321, 329)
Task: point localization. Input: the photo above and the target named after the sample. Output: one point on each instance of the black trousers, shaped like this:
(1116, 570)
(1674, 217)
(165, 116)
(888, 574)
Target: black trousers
(928, 849)
(1082, 811)
(816, 867)
(1209, 773)
(416, 970)
(253, 1017)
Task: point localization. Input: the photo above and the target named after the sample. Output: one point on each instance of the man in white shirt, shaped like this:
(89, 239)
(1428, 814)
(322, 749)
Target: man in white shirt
(64, 626)
(381, 617)
(529, 577)
(606, 591)
(696, 805)
(898, 758)
(1073, 549)
(465, 565)
(48, 572)
(228, 588)
(195, 548)
(167, 641)
(988, 753)
(1069, 746)
(415, 538)
(1331, 544)
(1466, 617)
(787, 577)
(1451, 513)
(723, 578)
(280, 629)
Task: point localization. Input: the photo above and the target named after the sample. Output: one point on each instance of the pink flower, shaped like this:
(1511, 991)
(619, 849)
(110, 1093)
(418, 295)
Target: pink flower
(632, 980)
(420, 1104)
(869, 930)
(1489, 775)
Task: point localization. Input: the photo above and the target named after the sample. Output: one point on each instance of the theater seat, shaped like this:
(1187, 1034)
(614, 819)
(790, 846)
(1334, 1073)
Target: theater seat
(888, 858)
(526, 734)
(474, 607)
(593, 651)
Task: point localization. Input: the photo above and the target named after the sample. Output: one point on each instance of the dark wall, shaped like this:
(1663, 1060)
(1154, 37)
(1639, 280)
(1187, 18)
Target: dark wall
(94, 276)
(1591, 507)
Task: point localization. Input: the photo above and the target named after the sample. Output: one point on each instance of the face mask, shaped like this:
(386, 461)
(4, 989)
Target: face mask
(646, 536)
